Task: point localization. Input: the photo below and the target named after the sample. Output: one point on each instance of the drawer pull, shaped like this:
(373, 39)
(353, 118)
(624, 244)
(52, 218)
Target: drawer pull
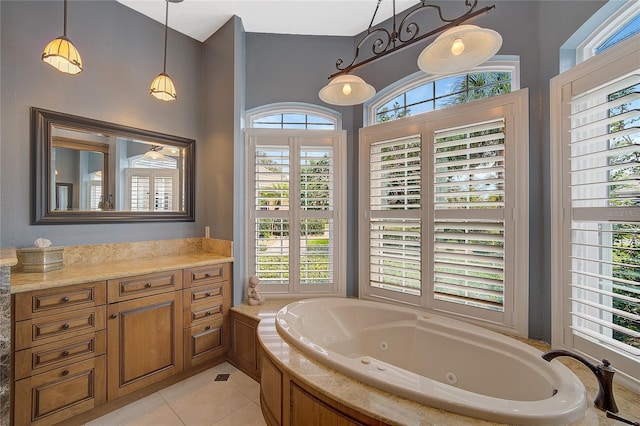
(207, 294)
(65, 326)
(65, 373)
(207, 275)
(148, 285)
(207, 328)
(64, 354)
(114, 316)
(208, 313)
(64, 299)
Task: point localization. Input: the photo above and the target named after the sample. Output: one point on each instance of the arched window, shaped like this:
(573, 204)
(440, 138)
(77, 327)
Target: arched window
(421, 92)
(609, 28)
(293, 115)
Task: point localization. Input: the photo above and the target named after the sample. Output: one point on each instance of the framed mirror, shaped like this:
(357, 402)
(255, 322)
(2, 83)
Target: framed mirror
(91, 171)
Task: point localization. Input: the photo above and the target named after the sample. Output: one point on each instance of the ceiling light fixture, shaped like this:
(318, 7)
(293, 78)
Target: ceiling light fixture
(162, 87)
(61, 54)
(458, 48)
(155, 154)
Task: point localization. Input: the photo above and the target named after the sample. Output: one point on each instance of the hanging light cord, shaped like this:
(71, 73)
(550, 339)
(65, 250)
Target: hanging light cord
(166, 23)
(64, 31)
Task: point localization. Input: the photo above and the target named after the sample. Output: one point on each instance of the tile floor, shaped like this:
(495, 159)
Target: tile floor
(196, 401)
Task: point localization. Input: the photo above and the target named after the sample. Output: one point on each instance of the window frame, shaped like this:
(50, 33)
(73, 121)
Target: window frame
(618, 60)
(497, 64)
(293, 108)
(296, 139)
(514, 107)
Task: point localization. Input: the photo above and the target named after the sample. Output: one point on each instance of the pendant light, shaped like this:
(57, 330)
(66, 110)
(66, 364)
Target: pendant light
(459, 49)
(61, 54)
(155, 154)
(347, 89)
(162, 87)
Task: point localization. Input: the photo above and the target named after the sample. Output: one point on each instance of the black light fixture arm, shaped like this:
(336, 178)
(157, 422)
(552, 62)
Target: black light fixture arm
(64, 29)
(390, 42)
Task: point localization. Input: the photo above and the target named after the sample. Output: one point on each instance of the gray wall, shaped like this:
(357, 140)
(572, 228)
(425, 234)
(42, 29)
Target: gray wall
(223, 103)
(122, 53)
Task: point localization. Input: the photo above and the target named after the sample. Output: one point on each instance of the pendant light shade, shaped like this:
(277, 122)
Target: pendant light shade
(61, 54)
(162, 86)
(155, 154)
(459, 49)
(347, 89)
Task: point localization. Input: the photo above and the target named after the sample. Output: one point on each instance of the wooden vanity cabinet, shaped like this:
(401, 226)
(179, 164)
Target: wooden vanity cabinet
(245, 350)
(59, 361)
(144, 331)
(206, 300)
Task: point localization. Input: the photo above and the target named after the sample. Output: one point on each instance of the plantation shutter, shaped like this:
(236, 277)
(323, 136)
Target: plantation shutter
(140, 185)
(604, 272)
(163, 193)
(271, 201)
(316, 180)
(395, 222)
(469, 227)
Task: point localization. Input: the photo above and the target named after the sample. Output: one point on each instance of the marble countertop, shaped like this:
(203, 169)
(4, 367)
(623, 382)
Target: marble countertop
(395, 410)
(7, 257)
(82, 273)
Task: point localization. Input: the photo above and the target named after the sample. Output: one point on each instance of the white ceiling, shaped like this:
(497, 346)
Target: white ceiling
(201, 18)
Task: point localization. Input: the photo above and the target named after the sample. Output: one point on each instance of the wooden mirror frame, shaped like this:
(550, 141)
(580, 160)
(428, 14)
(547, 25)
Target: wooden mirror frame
(42, 122)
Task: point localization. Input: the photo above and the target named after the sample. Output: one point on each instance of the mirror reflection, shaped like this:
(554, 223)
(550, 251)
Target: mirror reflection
(92, 171)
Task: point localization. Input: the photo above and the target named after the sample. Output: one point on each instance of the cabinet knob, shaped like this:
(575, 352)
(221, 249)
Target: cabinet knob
(208, 275)
(114, 316)
(65, 326)
(64, 299)
(207, 328)
(65, 373)
(207, 294)
(64, 353)
(206, 314)
(148, 285)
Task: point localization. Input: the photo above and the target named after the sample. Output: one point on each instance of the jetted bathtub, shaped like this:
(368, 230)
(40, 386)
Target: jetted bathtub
(435, 360)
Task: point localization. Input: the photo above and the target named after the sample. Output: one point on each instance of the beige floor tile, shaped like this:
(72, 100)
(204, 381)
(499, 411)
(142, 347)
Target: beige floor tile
(128, 414)
(249, 415)
(246, 385)
(207, 404)
(163, 416)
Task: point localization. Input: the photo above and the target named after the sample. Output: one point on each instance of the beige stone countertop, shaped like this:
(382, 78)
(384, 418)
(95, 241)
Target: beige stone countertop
(82, 273)
(7, 257)
(395, 410)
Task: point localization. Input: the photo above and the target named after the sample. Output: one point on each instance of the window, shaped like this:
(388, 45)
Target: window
(621, 23)
(152, 185)
(292, 115)
(424, 93)
(297, 210)
(595, 113)
(445, 211)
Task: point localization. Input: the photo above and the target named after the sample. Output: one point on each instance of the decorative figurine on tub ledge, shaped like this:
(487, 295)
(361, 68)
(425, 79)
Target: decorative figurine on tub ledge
(253, 292)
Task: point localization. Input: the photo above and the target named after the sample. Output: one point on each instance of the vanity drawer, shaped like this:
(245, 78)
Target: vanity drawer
(204, 342)
(143, 285)
(200, 313)
(204, 294)
(53, 328)
(46, 357)
(59, 394)
(207, 274)
(51, 301)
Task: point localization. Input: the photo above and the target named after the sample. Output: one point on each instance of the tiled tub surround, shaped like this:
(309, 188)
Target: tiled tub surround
(391, 409)
(7, 259)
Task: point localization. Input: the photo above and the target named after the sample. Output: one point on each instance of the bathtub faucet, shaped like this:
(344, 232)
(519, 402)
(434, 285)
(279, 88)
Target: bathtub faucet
(604, 373)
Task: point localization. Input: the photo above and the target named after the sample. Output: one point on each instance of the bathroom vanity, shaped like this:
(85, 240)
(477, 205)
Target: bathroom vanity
(93, 336)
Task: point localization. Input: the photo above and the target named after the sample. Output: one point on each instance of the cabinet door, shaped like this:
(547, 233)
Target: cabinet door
(245, 344)
(144, 342)
(51, 397)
